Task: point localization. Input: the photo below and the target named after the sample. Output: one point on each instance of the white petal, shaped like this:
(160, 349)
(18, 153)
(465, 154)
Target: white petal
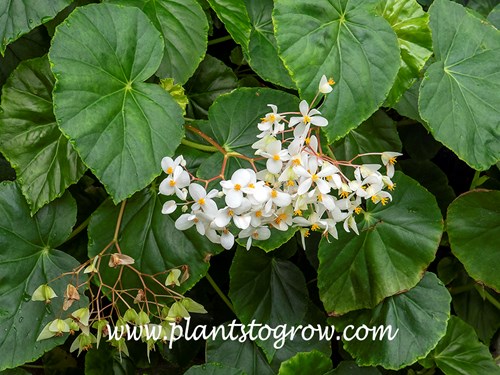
(234, 198)
(274, 166)
(304, 186)
(227, 240)
(263, 233)
(304, 108)
(197, 191)
(241, 177)
(185, 221)
(282, 199)
(168, 207)
(323, 186)
(183, 180)
(165, 187)
(319, 121)
(242, 222)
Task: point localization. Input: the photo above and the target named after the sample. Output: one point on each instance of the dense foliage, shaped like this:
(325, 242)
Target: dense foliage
(98, 101)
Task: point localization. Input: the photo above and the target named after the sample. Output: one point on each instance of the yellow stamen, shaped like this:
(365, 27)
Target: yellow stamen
(251, 186)
(344, 194)
(320, 198)
(296, 162)
(201, 201)
(276, 157)
(331, 81)
(315, 227)
(306, 233)
(384, 201)
(298, 212)
(290, 183)
(307, 119)
(308, 140)
(392, 160)
(237, 187)
(170, 170)
(230, 213)
(374, 198)
(258, 213)
(314, 177)
(171, 183)
(274, 193)
(280, 218)
(271, 118)
(255, 235)
(358, 210)
(391, 187)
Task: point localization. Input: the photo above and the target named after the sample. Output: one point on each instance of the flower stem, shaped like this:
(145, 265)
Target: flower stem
(80, 228)
(220, 293)
(198, 146)
(219, 40)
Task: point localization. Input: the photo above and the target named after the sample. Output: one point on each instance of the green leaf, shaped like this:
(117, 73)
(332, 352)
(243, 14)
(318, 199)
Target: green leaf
(245, 356)
(351, 368)
(460, 91)
(410, 23)
(18, 17)
(417, 320)
(213, 369)
(234, 15)
(184, 28)
(341, 39)
(32, 45)
(395, 245)
(44, 161)
(407, 104)
(494, 16)
(262, 51)
(151, 238)
(483, 7)
(473, 227)
(418, 142)
(460, 353)
(312, 362)
(28, 259)
(266, 289)
(377, 134)
(234, 117)
(120, 126)
(211, 79)
(277, 239)
(430, 176)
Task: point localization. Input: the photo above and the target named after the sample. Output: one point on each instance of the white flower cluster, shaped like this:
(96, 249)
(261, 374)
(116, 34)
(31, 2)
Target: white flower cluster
(300, 185)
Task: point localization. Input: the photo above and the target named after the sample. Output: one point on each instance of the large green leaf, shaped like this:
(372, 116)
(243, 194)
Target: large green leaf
(460, 353)
(407, 104)
(419, 316)
(343, 39)
(211, 79)
(460, 92)
(234, 14)
(270, 290)
(483, 7)
(395, 245)
(45, 162)
(17, 17)
(312, 362)
(151, 238)
(234, 116)
(28, 259)
(184, 28)
(245, 356)
(213, 369)
(473, 227)
(120, 126)
(410, 23)
(377, 134)
(351, 368)
(494, 16)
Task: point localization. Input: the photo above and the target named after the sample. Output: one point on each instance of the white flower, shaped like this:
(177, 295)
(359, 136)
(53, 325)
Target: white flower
(168, 164)
(325, 85)
(271, 119)
(350, 222)
(275, 156)
(259, 233)
(174, 183)
(202, 200)
(168, 207)
(308, 116)
(226, 239)
(278, 198)
(310, 176)
(283, 218)
(233, 187)
(389, 159)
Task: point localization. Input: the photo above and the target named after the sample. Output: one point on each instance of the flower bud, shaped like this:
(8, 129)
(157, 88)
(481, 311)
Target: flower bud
(43, 293)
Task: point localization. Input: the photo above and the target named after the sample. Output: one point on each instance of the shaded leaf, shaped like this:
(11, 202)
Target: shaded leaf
(312, 362)
(213, 369)
(473, 227)
(45, 162)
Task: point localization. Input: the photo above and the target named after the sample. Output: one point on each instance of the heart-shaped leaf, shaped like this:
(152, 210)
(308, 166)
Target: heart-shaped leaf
(28, 259)
(343, 39)
(312, 362)
(184, 28)
(473, 227)
(417, 321)
(460, 353)
(396, 243)
(121, 127)
(460, 92)
(45, 162)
